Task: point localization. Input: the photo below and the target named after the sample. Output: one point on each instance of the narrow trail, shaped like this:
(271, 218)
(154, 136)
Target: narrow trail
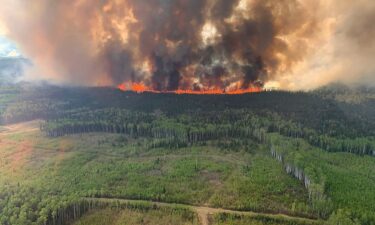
(204, 212)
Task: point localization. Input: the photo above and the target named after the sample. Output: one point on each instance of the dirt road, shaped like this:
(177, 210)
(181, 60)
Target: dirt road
(204, 212)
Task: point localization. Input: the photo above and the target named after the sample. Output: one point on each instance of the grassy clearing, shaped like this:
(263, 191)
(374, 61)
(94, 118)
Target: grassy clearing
(226, 219)
(196, 175)
(110, 216)
(262, 185)
(101, 165)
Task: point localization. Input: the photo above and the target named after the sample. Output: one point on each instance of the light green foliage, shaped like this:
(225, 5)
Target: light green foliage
(345, 180)
(342, 217)
(262, 185)
(59, 171)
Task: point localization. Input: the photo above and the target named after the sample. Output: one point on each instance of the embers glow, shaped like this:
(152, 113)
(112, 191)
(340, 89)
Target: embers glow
(141, 88)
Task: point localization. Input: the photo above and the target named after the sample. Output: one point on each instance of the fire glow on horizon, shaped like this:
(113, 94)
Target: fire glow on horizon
(141, 88)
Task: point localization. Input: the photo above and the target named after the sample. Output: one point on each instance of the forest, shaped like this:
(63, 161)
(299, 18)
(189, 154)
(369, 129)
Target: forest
(308, 155)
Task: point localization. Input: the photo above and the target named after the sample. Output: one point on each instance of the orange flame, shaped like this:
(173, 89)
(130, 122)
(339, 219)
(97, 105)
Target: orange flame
(141, 88)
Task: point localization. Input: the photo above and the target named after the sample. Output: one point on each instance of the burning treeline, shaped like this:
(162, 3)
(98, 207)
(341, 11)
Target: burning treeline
(167, 45)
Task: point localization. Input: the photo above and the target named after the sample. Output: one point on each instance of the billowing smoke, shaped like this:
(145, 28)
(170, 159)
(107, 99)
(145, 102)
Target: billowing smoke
(194, 44)
(344, 52)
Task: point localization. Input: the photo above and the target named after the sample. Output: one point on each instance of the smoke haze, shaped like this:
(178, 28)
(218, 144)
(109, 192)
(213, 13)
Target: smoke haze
(196, 44)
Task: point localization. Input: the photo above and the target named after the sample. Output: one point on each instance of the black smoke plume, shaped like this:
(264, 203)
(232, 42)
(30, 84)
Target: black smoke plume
(174, 44)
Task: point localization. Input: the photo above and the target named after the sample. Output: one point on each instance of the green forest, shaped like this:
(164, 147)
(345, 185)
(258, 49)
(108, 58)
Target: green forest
(75, 156)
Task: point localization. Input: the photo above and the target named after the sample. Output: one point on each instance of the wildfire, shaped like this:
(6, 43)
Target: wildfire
(136, 87)
(141, 88)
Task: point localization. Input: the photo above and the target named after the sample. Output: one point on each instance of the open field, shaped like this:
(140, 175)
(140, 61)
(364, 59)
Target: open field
(154, 216)
(128, 217)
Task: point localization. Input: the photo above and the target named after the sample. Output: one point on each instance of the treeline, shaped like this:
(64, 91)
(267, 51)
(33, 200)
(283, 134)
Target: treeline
(21, 111)
(69, 213)
(311, 110)
(321, 204)
(22, 205)
(359, 145)
(183, 130)
(195, 127)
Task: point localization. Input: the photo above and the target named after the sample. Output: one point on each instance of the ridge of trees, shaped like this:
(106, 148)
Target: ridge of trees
(186, 129)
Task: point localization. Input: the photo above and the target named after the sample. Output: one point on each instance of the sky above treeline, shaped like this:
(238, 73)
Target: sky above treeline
(8, 48)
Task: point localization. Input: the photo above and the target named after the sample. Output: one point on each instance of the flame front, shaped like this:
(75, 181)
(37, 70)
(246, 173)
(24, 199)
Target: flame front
(141, 88)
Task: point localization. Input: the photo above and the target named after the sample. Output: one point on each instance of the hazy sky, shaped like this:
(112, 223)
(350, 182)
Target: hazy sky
(8, 48)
